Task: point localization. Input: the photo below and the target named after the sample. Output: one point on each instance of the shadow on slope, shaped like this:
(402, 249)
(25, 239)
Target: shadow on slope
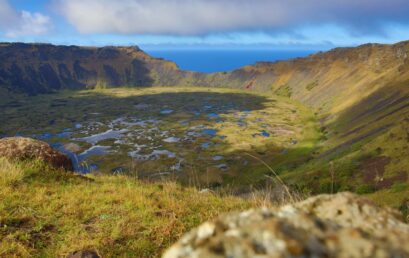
(366, 149)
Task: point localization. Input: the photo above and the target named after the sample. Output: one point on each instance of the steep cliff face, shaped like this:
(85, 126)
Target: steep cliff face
(330, 81)
(42, 68)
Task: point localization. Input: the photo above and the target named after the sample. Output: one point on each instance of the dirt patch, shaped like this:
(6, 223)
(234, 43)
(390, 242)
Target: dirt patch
(14, 223)
(373, 170)
(402, 176)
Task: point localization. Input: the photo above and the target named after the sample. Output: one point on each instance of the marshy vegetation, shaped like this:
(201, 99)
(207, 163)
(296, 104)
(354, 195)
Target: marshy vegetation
(201, 137)
(198, 136)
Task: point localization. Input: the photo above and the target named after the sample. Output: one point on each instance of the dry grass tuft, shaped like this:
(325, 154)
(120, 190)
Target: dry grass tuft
(277, 195)
(274, 196)
(10, 173)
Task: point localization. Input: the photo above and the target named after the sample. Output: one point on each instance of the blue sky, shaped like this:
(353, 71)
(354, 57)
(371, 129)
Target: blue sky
(281, 24)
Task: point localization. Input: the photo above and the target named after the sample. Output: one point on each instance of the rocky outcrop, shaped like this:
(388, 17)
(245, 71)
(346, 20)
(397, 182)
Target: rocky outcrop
(25, 148)
(44, 68)
(342, 225)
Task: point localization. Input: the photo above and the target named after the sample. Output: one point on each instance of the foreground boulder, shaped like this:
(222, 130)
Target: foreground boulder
(26, 148)
(342, 225)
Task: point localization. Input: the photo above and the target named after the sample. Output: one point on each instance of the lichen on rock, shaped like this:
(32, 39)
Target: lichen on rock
(342, 225)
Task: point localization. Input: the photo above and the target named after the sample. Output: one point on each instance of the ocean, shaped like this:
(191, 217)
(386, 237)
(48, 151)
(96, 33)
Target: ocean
(209, 60)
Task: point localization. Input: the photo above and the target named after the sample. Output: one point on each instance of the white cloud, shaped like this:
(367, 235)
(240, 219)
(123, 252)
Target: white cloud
(30, 24)
(22, 23)
(194, 17)
(7, 13)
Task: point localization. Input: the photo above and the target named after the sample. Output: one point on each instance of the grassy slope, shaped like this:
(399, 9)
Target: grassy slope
(330, 81)
(375, 128)
(48, 213)
(361, 97)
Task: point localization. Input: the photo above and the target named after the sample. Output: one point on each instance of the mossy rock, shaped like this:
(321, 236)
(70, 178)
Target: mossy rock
(19, 148)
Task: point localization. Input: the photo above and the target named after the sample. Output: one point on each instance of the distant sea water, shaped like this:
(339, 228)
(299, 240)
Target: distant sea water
(209, 61)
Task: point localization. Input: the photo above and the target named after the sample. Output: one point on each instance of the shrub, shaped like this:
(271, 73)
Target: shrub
(312, 85)
(284, 91)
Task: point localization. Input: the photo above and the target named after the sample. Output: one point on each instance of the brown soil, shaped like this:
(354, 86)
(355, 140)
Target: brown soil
(373, 170)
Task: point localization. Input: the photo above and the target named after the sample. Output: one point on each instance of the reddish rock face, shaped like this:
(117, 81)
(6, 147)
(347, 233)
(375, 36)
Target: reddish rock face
(25, 148)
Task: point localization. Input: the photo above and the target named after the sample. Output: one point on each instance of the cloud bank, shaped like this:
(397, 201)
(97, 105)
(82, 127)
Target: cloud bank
(198, 17)
(22, 23)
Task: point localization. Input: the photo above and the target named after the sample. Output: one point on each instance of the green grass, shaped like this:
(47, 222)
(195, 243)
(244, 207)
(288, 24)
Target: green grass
(365, 189)
(284, 91)
(49, 213)
(371, 128)
(399, 187)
